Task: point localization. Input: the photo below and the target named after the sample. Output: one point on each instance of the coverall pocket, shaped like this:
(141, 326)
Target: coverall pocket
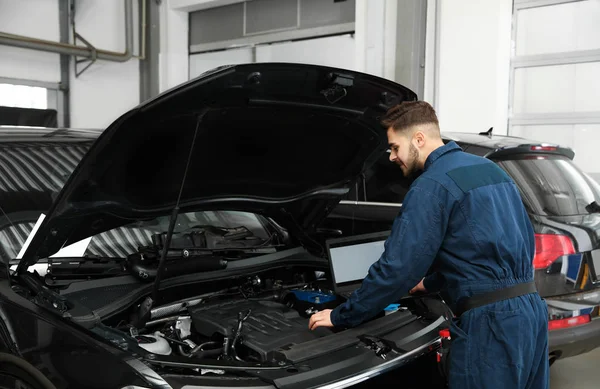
(500, 339)
(461, 352)
(455, 327)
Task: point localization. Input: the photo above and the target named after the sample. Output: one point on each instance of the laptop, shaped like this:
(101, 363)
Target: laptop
(351, 257)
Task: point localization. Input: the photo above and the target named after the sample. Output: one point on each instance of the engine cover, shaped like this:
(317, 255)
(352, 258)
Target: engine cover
(271, 325)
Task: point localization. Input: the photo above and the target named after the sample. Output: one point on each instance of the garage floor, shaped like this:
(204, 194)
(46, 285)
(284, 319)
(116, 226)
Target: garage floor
(579, 372)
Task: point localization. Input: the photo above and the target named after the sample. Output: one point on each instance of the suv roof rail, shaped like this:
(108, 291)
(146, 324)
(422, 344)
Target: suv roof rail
(531, 148)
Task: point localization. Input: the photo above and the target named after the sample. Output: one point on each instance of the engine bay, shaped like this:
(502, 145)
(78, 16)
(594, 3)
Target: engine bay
(256, 319)
(224, 326)
(248, 323)
(232, 317)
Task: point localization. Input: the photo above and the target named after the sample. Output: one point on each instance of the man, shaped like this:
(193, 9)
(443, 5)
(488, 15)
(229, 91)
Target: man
(464, 215)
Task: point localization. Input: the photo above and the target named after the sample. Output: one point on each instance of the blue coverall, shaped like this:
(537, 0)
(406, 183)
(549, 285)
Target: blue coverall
(464, 214)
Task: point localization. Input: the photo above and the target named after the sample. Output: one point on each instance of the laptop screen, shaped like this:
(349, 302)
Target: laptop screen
(350, 258)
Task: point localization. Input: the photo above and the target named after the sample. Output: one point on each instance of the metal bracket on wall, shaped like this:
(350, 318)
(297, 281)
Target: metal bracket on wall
(93, 51)
(89, 61)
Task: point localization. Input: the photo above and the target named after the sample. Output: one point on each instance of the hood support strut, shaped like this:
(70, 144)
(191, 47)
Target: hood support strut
(163, 257)
(143, 314)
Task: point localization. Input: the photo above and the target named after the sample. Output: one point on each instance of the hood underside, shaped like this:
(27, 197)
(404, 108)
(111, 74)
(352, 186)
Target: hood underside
(282, 139)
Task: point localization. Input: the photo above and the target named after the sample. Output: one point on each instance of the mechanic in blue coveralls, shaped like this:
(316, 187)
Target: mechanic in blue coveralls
(464, 215)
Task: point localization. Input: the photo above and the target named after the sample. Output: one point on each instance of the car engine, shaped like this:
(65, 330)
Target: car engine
(259, 327)
(251, 326)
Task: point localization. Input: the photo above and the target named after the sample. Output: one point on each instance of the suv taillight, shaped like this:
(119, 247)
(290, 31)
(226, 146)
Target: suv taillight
(543, 148)
(569, 322)
(548, 248)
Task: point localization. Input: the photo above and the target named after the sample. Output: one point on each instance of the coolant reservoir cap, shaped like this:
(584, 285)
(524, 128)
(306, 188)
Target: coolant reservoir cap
(154, 343)
(391, 308)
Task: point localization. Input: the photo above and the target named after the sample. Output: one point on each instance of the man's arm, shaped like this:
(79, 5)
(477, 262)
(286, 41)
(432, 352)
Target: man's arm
(415, 239)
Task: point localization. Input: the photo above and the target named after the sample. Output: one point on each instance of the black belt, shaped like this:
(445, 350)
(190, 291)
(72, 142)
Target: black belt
(486, 298)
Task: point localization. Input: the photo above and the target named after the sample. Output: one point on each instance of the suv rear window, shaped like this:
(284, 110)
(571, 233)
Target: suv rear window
(552, 185)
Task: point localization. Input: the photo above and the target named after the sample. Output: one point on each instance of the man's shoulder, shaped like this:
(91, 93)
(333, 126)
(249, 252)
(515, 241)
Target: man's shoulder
(431, 182)
(466, 172)
(452, 167)
(456, 160)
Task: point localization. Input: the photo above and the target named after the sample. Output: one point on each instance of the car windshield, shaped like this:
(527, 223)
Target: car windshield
(553, 185)
(210, 230)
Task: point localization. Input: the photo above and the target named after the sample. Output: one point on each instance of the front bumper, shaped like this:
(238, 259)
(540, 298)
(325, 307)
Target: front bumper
(573, 341)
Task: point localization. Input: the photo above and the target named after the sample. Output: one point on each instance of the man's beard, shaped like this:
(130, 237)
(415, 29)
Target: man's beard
(410, 167)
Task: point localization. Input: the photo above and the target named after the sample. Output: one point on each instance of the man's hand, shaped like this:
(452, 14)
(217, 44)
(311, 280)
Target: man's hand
(320, 319)
(419, 288)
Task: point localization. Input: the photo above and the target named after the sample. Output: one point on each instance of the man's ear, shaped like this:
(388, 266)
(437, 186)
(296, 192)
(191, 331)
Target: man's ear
(419, 136)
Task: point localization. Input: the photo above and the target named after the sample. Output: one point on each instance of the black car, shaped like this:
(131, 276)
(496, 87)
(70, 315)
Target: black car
(563, 204)
(183, 247)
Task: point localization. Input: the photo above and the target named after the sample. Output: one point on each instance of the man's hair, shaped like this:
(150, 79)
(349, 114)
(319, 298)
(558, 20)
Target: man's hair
(409, 114)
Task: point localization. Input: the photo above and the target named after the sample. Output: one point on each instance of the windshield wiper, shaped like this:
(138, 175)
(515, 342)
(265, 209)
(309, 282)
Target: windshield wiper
(202, 252)
(593, 207)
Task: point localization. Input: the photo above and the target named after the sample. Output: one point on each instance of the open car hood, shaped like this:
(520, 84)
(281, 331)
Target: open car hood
(285, 140)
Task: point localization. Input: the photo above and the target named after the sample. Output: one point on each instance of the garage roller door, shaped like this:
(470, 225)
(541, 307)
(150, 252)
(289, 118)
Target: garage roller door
(555, 88)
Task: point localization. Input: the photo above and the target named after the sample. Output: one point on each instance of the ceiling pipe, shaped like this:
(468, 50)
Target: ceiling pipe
(74, 50)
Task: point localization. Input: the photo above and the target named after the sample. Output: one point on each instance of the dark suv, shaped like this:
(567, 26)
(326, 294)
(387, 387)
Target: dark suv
(564, 206)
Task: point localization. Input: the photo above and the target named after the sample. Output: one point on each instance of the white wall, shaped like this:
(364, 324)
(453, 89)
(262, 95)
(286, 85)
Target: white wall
(203, 62)
(196, 5)
(474, 62)
(174, 45)
(33, 18)
(469, 87)
(107, 89)
(474, 56)
(375, 40)
(430, 91)
(335, 51)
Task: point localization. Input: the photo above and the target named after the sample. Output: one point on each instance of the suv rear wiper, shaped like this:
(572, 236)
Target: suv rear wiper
(593, 207)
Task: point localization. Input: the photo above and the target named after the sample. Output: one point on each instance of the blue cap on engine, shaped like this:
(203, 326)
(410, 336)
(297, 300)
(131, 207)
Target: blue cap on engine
(313, 297)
